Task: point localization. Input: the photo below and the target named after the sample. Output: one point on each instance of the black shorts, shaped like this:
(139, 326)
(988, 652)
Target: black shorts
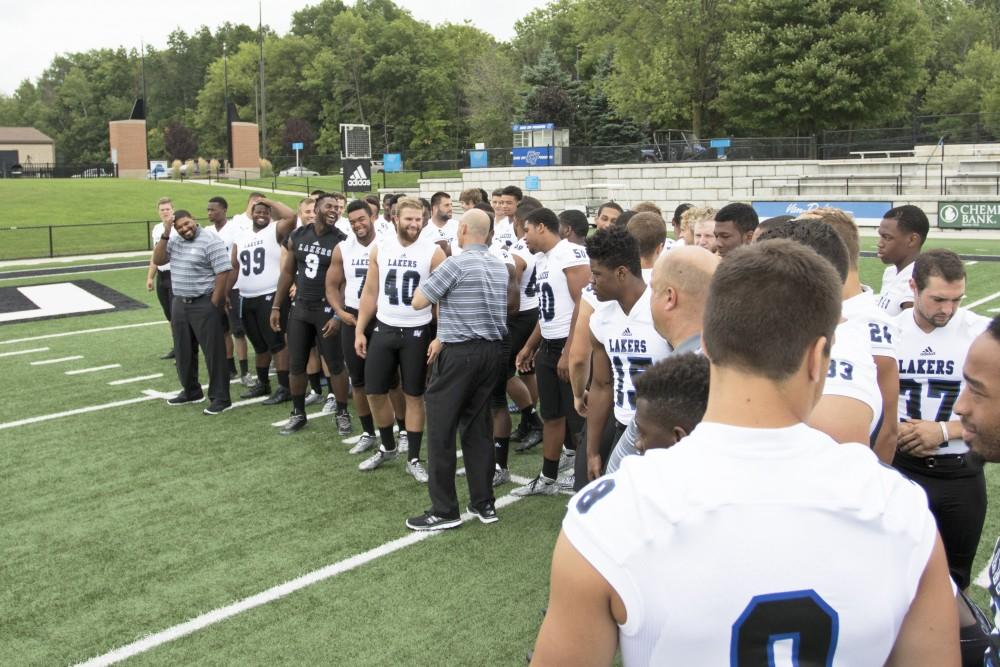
(555, 397)
(355, 364)
(390, 348)
(255, 312)
(498, 400)
(519, 328)
(232, 322)
(305, 326)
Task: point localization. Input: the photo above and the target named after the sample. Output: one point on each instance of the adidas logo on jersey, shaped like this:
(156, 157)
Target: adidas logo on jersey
(927, 352)
(627, 332)
(359, 178)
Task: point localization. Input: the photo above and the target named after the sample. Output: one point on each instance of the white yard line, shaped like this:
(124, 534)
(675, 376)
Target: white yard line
(77, 411)
(43, 362)
(971, 262)
(270, 595)
(81, 331)
(136, 379)
(93, 369)
(985, 299)
(32, 351)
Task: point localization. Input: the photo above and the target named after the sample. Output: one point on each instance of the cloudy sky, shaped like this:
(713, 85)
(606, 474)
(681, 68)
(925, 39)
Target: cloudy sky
(37, 30)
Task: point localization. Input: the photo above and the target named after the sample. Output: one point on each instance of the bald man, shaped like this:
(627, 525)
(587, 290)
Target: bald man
(470, 290)
(680, 288)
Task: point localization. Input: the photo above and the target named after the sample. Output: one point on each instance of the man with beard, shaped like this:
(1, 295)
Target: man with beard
(442, 228)
(931, 348)
(311, 320)
(199, 264)
(401, 337)
(256, 258)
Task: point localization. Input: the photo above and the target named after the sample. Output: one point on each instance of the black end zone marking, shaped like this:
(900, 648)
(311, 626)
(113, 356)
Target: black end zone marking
(11, 301)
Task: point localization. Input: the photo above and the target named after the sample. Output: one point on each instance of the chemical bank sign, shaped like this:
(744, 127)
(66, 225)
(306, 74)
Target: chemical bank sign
(969, 215)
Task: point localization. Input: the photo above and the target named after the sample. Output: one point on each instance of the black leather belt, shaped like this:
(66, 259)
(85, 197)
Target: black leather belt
(942, 461)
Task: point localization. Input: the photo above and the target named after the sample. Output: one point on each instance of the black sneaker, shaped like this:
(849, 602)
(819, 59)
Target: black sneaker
(218, 407)
(523, 428)
(487, 514)
(168, 355)
(431, 521)
(257, 391)
(294, 424)
(183, 399)
(280, 396)
(532, 439)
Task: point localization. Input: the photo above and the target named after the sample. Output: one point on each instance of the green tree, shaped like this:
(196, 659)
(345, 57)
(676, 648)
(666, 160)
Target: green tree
(550, 95)
(492, 89)
(790, 67)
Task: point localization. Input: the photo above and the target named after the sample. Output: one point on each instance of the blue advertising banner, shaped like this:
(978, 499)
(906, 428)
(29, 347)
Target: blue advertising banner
(392, 162)
(866, 213)
(533, 126)
(533, 156)
(478, 159)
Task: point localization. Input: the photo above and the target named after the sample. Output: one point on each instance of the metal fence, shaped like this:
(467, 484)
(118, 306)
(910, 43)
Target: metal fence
(60, 170)
(67, 240)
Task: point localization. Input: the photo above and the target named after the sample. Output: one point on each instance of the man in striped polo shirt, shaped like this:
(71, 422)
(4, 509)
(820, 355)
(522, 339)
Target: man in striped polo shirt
(198, 265)
(470, 290)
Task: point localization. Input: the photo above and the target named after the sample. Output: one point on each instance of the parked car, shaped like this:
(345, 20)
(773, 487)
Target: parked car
(158, 172)
(298, 171)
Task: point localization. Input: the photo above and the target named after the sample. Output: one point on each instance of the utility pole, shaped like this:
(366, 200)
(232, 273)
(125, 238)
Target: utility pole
(142, 75)
(263, 104)
(225, 97)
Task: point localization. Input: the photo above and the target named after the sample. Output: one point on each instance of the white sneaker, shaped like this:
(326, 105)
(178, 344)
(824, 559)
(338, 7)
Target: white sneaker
(566, 482)
(249, 380)
(567, 459)
(330, 405)
(540, 486)
(366, 442)
(312, 398)
(416, 470)
(404, 441)
(378, 458)
(501, 476)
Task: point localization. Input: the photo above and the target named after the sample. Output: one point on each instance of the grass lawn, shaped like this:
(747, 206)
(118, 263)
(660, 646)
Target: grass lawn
(123, 522)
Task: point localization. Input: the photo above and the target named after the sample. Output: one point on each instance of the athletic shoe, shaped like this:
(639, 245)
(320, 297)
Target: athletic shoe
(256, 391)
(168, 355)
(540, 486)
(312, 398)
(501, 476)
(404, 441)
(279, 396)
(566, 482)
(529, 441)
(567, 459)
(366, 442)
(234, 375)
(523, 428)
(248, 380)
(343, 419)
(378, 458)
(329, 405)
(431, 521)
(416, 470)
(217, 407)
(487, 514)
(182, 399)
(295, 423)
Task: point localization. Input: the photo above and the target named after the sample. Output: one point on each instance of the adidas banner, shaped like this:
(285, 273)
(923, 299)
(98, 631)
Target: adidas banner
(357, 175)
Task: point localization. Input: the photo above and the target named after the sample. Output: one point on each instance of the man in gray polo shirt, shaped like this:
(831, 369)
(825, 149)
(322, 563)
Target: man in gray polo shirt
(198, 265)
(470, 290)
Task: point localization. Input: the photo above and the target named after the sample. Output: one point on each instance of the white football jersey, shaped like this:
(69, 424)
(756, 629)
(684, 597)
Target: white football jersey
(384, 227)
(589, 297)
(647, 276)
(896, 289)
(852, 369)
(344, 225)
(713, 545)
(529, 281)
(259, 257)
(632, 345)
(356, 258)
(882, 329)
(503, 233)
(401, 270)
(930, 368)
(232, 230)
(156, 234)
(555, 303)
(501, 254)
(448, 233)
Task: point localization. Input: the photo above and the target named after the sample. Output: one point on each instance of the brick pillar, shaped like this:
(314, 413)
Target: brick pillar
(246, 149)
(128, 137)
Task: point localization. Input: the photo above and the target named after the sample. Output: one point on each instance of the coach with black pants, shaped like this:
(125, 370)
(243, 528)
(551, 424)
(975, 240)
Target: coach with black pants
(470, 290)
(198, 264)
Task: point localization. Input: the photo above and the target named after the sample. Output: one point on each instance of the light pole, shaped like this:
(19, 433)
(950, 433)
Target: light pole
(225, 97)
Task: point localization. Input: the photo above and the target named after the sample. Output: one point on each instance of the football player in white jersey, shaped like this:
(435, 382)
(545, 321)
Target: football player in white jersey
(670, 400)
(622, 336)
(978, 407)
(442, 228)
(934, 338)
(562, 270)
(734, 227)
(345, 282)
(860, 303)
(901, 235)
(164, 209)
(851, 406)
(783, 495)
(503, 230)
(401, 337)
(235, 336)
(607, 214)
(256, 257)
